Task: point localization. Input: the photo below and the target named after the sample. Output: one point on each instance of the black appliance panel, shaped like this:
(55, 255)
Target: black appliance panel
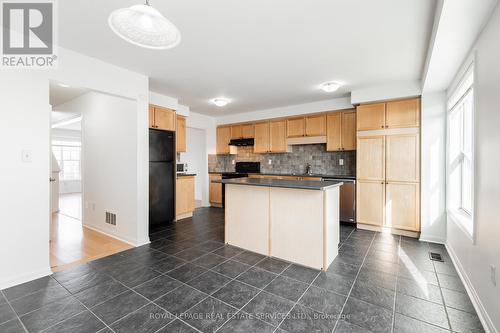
(247, 167)
(161, 146)
(161, 193)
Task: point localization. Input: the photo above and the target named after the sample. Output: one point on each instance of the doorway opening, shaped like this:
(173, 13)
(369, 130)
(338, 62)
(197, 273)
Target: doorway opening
(71, 241)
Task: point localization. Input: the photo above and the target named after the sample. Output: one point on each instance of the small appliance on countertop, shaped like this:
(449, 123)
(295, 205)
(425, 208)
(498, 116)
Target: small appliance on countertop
(182, 167)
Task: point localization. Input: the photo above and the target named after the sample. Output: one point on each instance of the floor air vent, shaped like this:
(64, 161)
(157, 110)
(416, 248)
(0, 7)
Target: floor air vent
(435, 256)
(110, 218)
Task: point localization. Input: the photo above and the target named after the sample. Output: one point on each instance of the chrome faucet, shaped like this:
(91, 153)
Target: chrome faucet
(308, 169)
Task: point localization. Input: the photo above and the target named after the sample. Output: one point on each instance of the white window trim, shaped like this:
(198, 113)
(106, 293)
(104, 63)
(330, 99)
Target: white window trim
(463, 219)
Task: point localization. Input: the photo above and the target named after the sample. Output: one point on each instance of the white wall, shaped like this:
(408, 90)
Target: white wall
(433, 163)
(196, 158)
(386, 91)
(474, 259)
(24, 190)
(109, 170)
(291, 110)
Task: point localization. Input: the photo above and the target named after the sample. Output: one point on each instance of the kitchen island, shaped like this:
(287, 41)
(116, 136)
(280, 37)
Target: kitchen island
(297, 221)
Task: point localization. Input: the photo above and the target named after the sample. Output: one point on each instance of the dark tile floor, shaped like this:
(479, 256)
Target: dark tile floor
(186, 280)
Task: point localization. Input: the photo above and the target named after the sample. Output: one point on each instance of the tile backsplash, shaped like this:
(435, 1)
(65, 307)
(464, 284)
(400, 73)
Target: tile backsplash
(321, 161)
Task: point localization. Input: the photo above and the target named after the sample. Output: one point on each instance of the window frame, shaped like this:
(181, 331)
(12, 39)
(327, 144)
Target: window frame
(61, 144)
(456, 96)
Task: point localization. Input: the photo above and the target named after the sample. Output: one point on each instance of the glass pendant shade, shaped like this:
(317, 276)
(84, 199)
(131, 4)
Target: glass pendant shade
(144, 26)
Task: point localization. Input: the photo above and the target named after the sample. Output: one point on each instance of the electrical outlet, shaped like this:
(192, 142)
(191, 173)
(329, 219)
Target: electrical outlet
(493, 273)
(341, 161)
(93, 206)
(269, 161)
(233, 162)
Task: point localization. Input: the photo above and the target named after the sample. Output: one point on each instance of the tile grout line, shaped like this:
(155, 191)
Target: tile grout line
(354, 281)
(297, 302)
(442, 296)
(395, 290)
(14, 311)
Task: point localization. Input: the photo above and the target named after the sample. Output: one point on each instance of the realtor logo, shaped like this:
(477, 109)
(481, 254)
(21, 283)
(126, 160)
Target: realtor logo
(28, 34)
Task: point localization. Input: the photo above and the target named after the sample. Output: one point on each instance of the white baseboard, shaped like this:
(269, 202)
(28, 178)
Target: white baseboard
(133, 242)
(476, 301)
(432, 239)
(25, 278)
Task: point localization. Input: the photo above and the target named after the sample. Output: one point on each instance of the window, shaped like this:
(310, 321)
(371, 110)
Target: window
(460, 151)
(67, 154)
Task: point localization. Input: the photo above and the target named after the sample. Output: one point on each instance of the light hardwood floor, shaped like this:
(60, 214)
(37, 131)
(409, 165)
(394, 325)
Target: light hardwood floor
(71, 243)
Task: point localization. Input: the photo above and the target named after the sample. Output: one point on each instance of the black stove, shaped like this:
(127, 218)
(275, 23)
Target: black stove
(242, 169)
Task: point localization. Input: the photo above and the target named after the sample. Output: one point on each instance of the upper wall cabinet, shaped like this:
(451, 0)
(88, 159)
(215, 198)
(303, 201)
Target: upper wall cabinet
(371, 117)
(223, 138)
(394, 114)
(296, 127)
(247, 131)
(236, 132)
(316, 125)
(341, 131)
(180, 134)
(402, 114)
(161, 118)
(261, 139)
(277, 135)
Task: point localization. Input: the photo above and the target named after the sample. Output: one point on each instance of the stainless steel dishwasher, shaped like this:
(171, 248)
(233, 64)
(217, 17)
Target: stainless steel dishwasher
(347, 199)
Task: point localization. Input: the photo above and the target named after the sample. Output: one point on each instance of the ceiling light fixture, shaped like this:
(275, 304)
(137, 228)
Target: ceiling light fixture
(220, 101)
(63, 85)
(142, 25)
(330, 86)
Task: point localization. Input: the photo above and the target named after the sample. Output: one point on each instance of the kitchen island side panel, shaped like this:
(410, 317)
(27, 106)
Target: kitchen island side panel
(247, 217)
(331, 225)
(297, 226)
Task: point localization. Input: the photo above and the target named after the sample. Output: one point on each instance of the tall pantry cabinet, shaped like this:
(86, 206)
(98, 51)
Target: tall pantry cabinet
(388, 166)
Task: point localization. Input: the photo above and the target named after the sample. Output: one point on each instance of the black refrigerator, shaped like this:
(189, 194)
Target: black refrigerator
(161, 178)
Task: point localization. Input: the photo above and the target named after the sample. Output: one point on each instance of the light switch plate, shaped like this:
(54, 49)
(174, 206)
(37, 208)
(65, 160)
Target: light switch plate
(493, 272)
(341, 161)
(269, 161)
(233, 162)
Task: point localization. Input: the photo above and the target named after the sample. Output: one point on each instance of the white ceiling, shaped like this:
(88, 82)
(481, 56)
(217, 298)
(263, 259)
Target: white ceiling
(59, 95)
(261, 53)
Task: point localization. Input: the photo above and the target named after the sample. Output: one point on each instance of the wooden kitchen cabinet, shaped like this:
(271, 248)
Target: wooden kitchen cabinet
(341, 131)
(371, 117)
(403, 113)
(184, 197)
(247, 131)
(236, 132)
(370, 159)
(161, 118)
(151, 117)
(370, 202)
(223, 138)
(349, 130)
(180, 134)
(316, 125)
(296, 127)
(261, 139)
(215, 190)
(402, 205)
(277, 135)
(403, 157)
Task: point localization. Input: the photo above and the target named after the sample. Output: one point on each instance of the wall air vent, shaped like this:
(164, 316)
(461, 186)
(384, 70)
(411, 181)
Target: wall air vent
(110, 218)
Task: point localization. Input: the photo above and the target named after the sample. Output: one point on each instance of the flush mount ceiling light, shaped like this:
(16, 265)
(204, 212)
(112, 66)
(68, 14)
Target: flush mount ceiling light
(144, 26)
(220, 101)
(63, 85)
(330, 86)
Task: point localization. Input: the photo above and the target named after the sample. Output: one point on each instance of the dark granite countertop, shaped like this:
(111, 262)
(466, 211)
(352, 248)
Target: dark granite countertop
(186, 174)
(291, 174)
(296, 184)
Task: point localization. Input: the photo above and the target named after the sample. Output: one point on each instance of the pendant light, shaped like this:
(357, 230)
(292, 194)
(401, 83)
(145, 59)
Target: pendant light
(144, 26)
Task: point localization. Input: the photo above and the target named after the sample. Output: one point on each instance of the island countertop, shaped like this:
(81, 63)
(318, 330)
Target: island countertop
(283, 183)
